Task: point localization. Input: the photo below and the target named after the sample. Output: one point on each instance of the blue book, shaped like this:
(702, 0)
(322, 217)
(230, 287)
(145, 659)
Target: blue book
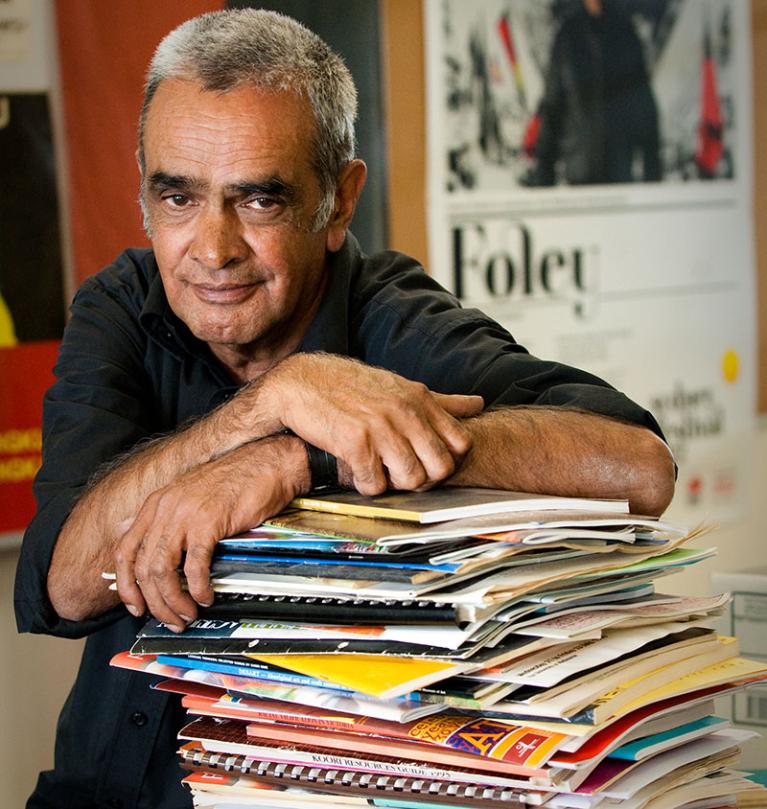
(650, 745)
(324, 560)
(254, 672)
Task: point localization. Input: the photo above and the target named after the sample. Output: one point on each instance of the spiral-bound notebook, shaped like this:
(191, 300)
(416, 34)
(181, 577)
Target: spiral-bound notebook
(351, 783)
(329, 609)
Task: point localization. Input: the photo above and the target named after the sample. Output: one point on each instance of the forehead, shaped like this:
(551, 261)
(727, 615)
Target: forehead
(192, 130)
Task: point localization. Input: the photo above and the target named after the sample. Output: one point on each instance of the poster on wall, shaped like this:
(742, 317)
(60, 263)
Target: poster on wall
(590, 188)
(31, 256)
(31, 294)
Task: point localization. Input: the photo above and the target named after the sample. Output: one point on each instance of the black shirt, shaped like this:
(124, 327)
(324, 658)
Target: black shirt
(129, 369)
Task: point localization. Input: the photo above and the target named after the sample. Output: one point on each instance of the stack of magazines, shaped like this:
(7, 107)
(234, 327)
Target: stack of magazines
(458, 647)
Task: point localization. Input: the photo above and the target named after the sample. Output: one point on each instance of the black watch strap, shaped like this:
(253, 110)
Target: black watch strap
(323, 469)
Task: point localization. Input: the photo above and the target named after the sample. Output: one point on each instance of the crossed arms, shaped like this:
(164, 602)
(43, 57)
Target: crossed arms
(176, 497)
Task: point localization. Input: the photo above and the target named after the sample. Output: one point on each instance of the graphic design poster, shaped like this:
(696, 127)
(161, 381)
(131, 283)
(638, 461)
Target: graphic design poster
(590, 188)
(31, 294)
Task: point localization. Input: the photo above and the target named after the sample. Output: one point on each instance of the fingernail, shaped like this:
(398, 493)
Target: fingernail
(185, 619)
(176, 629)
(133, 610)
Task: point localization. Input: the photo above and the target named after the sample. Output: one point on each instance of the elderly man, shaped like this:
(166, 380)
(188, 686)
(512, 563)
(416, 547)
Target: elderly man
(205, 383)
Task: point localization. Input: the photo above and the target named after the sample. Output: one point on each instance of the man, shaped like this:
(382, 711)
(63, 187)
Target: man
(247, 340)
(598, 116)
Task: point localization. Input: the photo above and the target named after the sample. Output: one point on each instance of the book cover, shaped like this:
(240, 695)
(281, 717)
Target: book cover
(331, 750)
(344, 783)
(383, 677)
(478, 736)
(658, 742)
(400, 710)
(449, 503)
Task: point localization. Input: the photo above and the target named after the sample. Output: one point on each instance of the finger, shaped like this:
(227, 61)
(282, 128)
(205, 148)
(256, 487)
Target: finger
(452, 432)
(368, 473)
(162, 566)
(158, 607)
(435, 457)
(369, 480)
(197, 572)
(126, 553)
(403, 463)
(458, 405)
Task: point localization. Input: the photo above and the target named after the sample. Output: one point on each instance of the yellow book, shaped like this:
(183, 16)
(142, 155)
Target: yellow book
(381, 676)
(450, 503)
(734, 670)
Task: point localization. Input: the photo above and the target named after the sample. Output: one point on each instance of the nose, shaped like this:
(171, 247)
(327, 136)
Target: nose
(217, 242)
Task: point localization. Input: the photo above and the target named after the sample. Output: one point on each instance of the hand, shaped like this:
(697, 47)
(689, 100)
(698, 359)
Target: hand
(217, 499)
(386, 430)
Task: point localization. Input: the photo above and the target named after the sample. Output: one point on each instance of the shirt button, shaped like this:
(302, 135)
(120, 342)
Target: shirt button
(115, 803)
(139, 719)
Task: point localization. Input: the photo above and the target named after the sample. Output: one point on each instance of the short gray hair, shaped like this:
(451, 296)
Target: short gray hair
(225, 49)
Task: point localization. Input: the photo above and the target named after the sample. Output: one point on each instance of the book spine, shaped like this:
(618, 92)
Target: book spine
(355, 510)
(311, 776)
(247, 671)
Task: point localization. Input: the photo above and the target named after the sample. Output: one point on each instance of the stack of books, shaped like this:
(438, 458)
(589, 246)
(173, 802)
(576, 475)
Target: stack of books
(458, 647)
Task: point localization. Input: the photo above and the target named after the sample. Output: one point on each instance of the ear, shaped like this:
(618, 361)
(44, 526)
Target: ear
(348, 191)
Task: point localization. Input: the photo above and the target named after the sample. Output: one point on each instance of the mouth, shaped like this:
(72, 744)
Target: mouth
(224, 293)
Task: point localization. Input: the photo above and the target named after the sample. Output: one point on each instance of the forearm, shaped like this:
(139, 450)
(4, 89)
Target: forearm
(87, 541)
(568, 452)
(181, 524)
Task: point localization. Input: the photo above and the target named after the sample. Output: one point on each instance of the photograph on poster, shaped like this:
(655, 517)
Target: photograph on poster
(552, 92)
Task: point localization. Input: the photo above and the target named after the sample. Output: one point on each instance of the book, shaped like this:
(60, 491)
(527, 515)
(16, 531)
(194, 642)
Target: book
(243, 667)
(386, 676)
(569, 661)
(443, 636)
(449, 503)
(476, 736)
(487, 738)
(341, 610)
(400, 710)
(333, 750)
(222, 790)
(679, 734)
(599, 698)
(350, 783)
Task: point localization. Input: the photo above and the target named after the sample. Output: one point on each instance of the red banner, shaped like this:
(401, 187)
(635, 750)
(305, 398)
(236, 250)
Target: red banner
(26, 371)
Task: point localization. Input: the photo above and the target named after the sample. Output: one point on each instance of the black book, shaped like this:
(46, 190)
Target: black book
(246, 606)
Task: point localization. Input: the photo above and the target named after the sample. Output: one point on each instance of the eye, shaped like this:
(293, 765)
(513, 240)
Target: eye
(262, 203)
(177, 200)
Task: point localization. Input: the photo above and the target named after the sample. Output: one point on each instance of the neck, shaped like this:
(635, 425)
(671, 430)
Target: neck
(243, 364)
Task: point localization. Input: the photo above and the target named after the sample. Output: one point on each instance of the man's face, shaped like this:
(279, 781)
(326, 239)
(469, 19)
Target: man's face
(231, 196)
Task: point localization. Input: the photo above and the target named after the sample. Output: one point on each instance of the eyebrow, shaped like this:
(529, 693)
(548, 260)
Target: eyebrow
(271, 186)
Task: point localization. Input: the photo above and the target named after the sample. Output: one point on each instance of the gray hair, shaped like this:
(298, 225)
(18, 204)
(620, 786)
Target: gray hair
(224, 49)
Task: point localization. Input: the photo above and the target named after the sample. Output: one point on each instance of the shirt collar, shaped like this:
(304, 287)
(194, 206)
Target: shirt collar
(329, 330)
